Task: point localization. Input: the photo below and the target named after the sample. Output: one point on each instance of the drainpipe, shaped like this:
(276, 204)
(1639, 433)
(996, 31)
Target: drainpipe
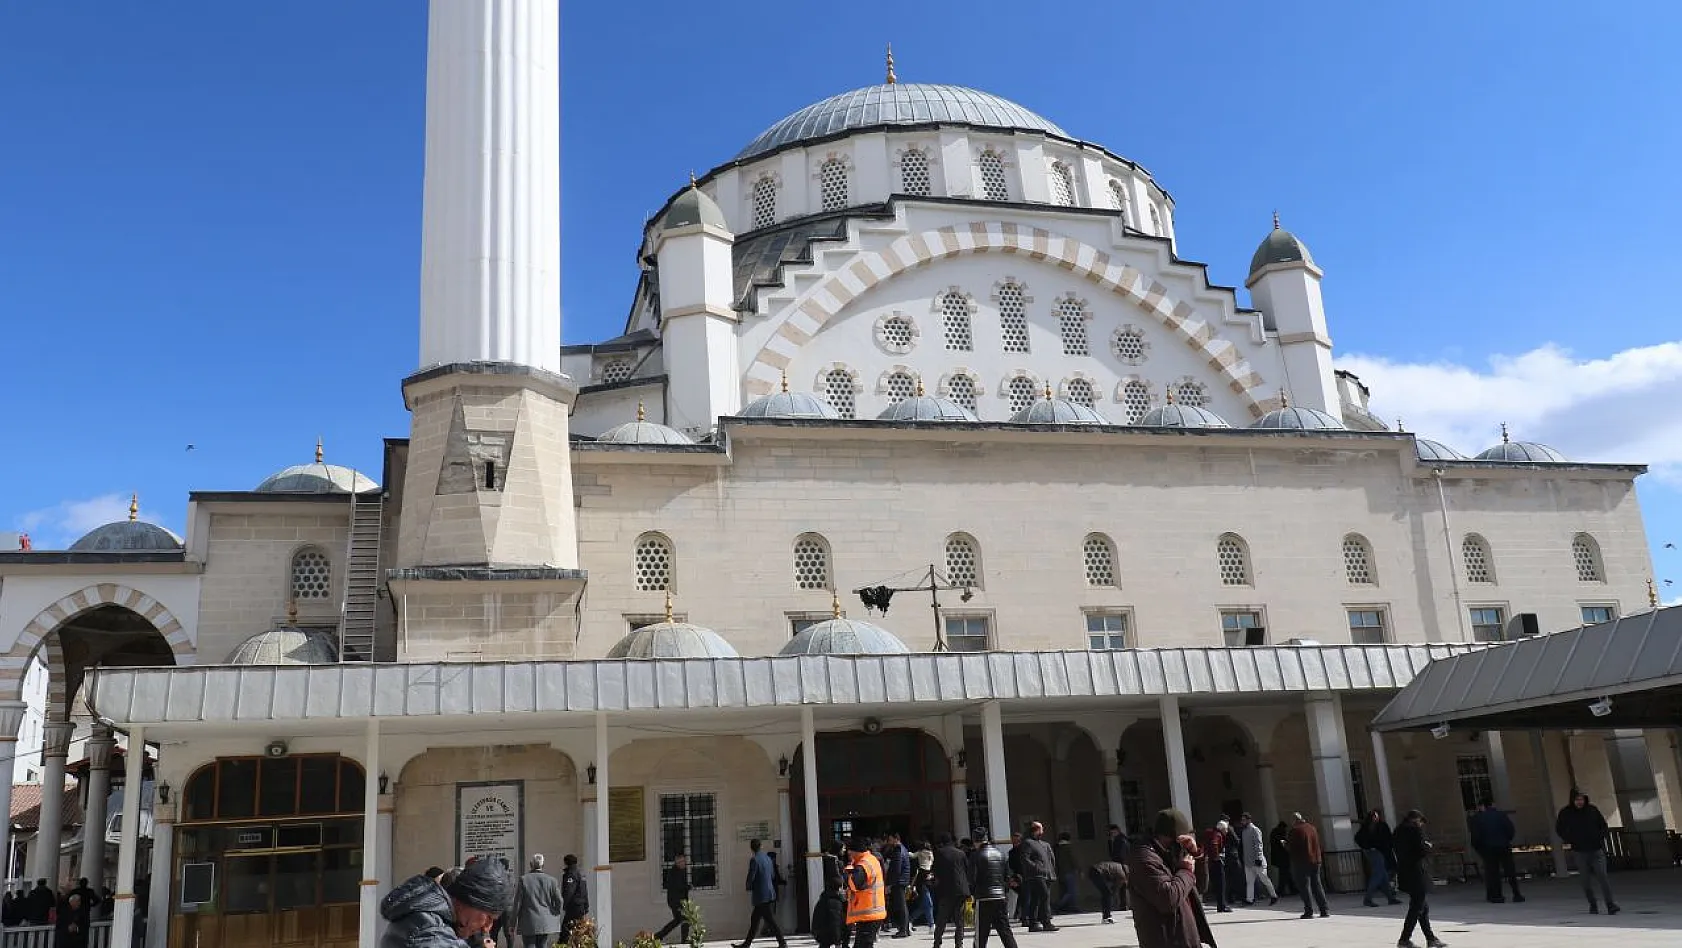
(1448, 544)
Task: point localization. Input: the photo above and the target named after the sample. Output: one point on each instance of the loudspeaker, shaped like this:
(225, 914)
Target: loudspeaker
(275, 749)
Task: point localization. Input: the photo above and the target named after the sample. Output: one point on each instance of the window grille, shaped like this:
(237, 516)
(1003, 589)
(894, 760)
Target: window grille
(764, 202)
(962, 562)
(1234, 562)
(689, 825)
(914, 172)
(652, 563)
(1062, 184)
(1071, 320)
(954, 311)
(1100, 560)
(312, 574)
(838, 391)
(1136, 399)
(1013, 317)
(993, 186)
(1480, 567)
(833, 184)
(1023, 392)
(1129, 345)
(1587, 558)
(811, 563)
(1357, 561)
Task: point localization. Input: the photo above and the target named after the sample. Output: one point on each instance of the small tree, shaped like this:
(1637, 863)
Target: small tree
(645, 939)
(696, 922)
(583, 934)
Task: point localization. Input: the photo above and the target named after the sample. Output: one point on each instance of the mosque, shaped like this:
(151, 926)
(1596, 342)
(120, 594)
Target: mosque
(1127, 538)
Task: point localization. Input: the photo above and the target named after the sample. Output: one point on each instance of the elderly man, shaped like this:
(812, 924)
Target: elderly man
(461, 915)
(1164, 875)
(538, 907)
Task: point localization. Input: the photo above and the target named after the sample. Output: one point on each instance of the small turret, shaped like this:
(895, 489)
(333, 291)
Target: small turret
(697, 311)
(1284, 283)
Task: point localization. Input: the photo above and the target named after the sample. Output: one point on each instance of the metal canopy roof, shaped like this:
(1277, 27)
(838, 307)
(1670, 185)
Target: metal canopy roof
(1549, 681)
(198, 696)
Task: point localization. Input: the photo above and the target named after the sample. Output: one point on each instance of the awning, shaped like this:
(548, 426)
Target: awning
(1549, 681)
(208, 695)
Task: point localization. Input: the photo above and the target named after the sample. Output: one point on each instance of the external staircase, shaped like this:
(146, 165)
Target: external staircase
(362, 579)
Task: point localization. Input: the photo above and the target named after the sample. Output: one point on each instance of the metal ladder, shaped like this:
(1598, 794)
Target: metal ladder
(362, 579)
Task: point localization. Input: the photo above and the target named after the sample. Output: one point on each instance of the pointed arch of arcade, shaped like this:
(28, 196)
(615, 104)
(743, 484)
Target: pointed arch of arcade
(39, 632)
(814, 308)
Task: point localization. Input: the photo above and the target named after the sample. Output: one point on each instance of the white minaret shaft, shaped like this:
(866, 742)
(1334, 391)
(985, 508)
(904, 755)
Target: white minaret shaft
(491, 220)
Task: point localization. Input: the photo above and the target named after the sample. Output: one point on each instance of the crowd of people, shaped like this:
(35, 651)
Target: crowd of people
(70, 912)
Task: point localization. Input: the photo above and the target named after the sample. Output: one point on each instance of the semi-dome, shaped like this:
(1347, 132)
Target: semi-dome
(317, 478)
(898, 103)
(921, 407)
(1279, 246)
(842, 636)
(286, 645)
(1427, 450)
(1181, 416)
(671, 639)
(693, 207)
(643, 431)
(787, 404)
(131, 535)
(1290, 418)
(1051, 410)
(1521, 451)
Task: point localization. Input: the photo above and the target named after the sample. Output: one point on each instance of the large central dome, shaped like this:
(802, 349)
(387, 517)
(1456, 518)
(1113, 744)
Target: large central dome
(899, 103)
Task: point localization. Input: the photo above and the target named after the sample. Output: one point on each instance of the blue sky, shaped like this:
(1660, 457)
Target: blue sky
(209, 212)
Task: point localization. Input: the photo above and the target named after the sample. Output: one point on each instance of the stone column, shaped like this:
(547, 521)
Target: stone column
(787, 913)
(388, 878)
(1112, 793)
(1324, 712)
(99, 748)
(1500, 779)
(55, 747)
(952, 730)
(122, 920)
(163, 868)
(1633, 781)
(998, 789)
(1174, 744)
(1539, 751)
(809, 790)
(603, 896)
(1269, 814)
(12, 714)
(368, 932)
(1386, 793)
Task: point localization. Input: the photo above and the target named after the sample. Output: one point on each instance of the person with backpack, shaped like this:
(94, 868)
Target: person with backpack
(575, 895)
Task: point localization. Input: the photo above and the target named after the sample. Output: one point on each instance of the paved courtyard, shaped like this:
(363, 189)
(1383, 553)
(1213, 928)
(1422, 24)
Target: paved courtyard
(1554, 916)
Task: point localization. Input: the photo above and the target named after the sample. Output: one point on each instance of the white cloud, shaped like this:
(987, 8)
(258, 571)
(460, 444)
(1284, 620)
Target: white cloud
(1622, 408)
(58, 526)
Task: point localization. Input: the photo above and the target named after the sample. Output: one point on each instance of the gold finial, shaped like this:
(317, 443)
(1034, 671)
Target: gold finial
(891, 77)
(785, 383)
(1168, 390)
(1504, 437)
(1048, 391)
(669, 619)
(919, 387)
(1284, 399)
(133, 507)
(1275, 220)
(318, 451)
(692, 183)
(835, 603)
(291, 612)
(1652, 595)
(642, 413)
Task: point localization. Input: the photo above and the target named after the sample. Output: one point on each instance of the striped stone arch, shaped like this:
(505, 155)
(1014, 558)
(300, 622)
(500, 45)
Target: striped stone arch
(16, 661)
(807, 316)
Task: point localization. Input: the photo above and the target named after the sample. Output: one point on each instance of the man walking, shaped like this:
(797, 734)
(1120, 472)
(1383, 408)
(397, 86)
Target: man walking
(762, 893)
(1254, 853)
(675, 880)
(1492, 837)
(896, 870)
(1039, 867)
(989, 881)
(1068, 874)
(952, 889)
(1214, 849)
(538, 908)
(1374, 840)
(1304, 843)
(575, 894)
(865, 893)
(1581, 827)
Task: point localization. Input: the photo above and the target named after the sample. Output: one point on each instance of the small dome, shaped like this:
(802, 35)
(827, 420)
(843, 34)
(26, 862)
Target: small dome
(127, 535)
(693, 207)
(1181, 416)
(1524, 452)
(1051, 410)
(317, 478)
(672, 640)
(1427, 450)
(842, 636)
(286, 645)
(787, 404)
(1298, 419)
(926, 408)
(643, 432)
(898, 103)
(1279, 246)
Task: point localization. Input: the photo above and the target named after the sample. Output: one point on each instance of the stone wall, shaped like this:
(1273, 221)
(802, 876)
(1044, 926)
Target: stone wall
(424, 822)
(247, 574)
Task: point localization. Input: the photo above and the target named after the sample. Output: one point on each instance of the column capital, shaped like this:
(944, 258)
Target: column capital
(55, 738)
(99, 748)
(12, 714)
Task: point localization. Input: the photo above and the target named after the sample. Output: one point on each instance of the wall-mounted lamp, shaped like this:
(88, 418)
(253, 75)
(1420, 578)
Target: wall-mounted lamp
(961, 758)
(1440, 731)
(590, 774)
(1600, 707)
(385, 784)
(163, 792)
(782, 766)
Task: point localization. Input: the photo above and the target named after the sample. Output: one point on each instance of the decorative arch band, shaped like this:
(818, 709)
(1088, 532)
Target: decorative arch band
(15, 662)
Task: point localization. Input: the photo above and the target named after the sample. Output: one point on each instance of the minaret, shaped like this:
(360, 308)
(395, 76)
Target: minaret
(697, 312)
(487, 491)
(1284, 284)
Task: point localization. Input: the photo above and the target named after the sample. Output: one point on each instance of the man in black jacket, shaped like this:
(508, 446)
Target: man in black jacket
(1581, 827)
(1039, 867)
(951, 889)
(1118, 844)
(676, 883)
(896, 875)
(989, 880)
(1492, 837)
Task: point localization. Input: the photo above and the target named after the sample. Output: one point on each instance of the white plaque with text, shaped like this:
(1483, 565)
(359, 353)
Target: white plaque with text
(490, 821)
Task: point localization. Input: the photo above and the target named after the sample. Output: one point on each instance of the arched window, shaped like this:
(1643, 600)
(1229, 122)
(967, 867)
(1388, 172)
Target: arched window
(1357, 561)
(1062, 184)
(1234, 560)
(838, 391)
(992, 169)
(1118, 197)
(1480, 563)
(1071, 322)
(1191, 393)
(811, 562)
(1013, 317)
(296, 785)
(1083, 392)
(764, 202)
(963, 561)
(954, 314)
(961, 389)
(653, 563)
(1136, 398)
(914, 172)
(900, 386)
(1100, 558)
(1586, 554)
(1156, 222)
(312, 574)
(1022, 392)
(833, 184)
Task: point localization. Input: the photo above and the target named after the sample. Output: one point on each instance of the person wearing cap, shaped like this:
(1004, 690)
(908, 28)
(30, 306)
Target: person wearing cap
(867, 906)
(424, 914)
(1164, 875)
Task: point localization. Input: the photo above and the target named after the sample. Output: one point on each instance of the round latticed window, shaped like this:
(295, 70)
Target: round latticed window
(811, 564)
(652, 564)
(1129, 345)
(898, 333)
(312, 574)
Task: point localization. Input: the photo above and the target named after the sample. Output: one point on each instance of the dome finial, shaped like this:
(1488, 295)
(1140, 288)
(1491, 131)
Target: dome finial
(891, 77)
(1505, 439)
(1048, 391)
(919, 386)
(1275, 220)
(642, 413)
(785, 383)
(133, 507)
(835, 603)
(318, 452)
(1168, 390)
(1284, 399)
(692, 183)
(669, 605)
